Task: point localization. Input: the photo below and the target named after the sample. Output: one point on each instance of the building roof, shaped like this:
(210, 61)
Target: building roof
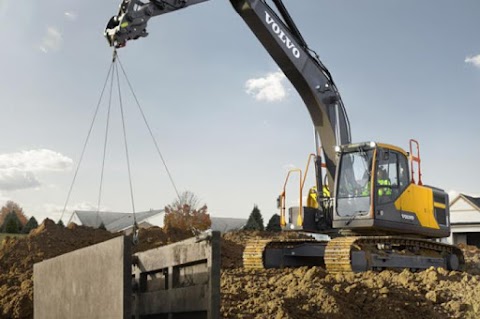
(475, 201)
(224, 224)
(113, 221)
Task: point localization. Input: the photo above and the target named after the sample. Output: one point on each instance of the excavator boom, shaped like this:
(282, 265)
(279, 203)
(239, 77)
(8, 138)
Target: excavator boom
(283, 42)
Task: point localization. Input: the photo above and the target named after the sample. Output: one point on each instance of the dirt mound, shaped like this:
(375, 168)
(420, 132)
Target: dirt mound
(279, 293)
(312, 293)
(472, 258)
(17, 257)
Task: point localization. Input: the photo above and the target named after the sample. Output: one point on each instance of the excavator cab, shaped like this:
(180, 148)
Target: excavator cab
(375, 193)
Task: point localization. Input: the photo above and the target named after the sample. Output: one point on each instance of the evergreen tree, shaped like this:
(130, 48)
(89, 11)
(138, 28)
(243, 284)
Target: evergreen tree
(255, 220)
(274, 224)
(102, 226)
(60, 223)
(12, 224)
(31, 224)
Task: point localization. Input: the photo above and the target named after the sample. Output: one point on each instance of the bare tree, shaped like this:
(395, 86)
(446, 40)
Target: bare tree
(187, 198)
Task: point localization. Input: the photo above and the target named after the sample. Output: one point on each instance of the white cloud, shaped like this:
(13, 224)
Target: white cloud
(52, 41)
(35, 160)
(475, 60)
(70, 15)
(18, 170)
(270, 88)
(14, 179)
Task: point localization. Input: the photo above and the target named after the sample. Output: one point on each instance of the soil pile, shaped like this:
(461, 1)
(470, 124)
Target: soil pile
(312, 293)
(278, 293)
(17, 257)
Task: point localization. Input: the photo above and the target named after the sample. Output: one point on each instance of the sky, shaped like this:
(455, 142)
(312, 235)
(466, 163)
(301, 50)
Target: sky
(227, 121)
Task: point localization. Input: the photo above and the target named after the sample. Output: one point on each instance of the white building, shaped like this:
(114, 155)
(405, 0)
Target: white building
(115, 222)
(465, 220)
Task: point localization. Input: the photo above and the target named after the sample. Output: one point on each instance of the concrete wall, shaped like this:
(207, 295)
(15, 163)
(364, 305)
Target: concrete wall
(181, 280)
(459, 238)
(93, 282)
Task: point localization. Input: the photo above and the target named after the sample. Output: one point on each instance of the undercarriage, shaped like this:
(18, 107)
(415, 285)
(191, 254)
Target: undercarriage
(353, 254)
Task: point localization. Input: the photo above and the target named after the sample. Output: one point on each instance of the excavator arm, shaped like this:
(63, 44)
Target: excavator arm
(281, 39)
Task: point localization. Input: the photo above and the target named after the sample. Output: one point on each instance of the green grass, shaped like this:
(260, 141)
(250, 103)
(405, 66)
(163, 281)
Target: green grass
(2, 236)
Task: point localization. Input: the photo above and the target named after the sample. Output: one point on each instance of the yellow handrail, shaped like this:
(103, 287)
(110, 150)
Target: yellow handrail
(282, 199)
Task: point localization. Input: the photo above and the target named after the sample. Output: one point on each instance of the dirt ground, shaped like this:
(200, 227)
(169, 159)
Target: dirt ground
(289, 293)
(312, 293)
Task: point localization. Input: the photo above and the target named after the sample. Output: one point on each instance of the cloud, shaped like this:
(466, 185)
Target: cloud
(475, 60)
(70, 15)
(14, 179)
(270, 88)
(19, 170)
(52, 41)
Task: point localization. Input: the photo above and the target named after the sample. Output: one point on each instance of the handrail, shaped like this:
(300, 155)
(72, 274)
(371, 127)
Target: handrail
(282, 199)
(416, 158)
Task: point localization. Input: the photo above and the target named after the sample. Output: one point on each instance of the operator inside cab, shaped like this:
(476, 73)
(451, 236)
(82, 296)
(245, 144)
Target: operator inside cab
(382, 180)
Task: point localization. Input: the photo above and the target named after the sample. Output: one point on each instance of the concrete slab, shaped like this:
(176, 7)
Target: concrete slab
(93, 282)
(181, 280)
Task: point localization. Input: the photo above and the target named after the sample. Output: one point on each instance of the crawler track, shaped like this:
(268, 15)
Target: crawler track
(361, 253)
(253, 255)
(380, 249)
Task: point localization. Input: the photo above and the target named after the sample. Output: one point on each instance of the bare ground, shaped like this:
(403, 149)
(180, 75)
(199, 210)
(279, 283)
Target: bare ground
(280, 293)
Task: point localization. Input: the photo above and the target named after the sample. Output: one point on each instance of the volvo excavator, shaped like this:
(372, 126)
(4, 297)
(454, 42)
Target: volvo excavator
(376, 212)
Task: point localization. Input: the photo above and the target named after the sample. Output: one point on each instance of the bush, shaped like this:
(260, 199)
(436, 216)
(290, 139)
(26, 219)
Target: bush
(274, 224)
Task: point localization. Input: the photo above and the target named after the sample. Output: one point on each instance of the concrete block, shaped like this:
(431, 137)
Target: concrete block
(93, 282)
(181, 280)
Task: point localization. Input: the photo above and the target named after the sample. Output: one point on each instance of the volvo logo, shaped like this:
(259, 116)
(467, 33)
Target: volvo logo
(282, 36)
(408, 217)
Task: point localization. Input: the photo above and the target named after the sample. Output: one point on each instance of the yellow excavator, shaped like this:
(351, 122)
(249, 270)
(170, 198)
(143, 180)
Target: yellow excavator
(375, 212)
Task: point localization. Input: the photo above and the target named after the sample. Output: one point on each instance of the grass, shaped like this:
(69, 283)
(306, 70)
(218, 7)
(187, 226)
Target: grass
(2, 236)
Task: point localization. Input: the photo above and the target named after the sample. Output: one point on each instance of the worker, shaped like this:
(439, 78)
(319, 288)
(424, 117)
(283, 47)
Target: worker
(382, 180)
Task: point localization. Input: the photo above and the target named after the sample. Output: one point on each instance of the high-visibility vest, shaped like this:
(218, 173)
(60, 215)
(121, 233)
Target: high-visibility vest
(381, 190)
(384, 190)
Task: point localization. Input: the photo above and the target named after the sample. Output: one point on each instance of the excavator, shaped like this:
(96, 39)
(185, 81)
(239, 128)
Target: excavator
(374, 208)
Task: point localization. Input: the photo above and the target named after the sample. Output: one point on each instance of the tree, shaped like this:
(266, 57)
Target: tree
(187, 198)
(102, 226)
(60, 223)
(255, 220)
(274, 224)
(184, 220)
(31, 224)
(10, 207)
(12, 224)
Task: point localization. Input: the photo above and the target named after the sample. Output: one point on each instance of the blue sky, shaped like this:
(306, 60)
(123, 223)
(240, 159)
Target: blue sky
(405, 69)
